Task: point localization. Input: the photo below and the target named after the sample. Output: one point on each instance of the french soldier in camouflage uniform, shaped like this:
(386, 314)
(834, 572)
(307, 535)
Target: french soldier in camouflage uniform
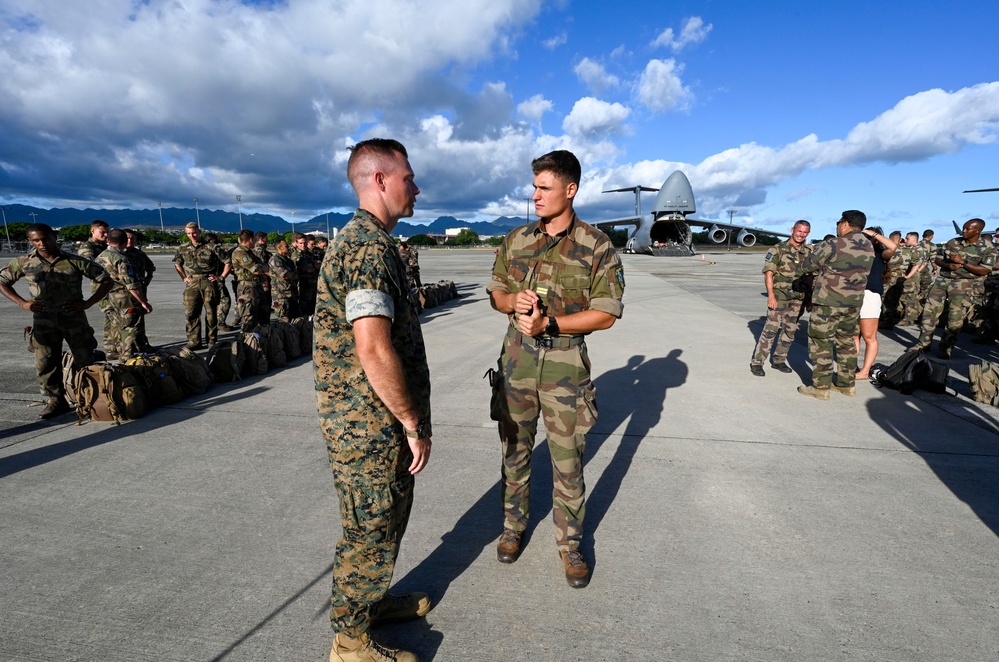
(411, 259)
(784, 303)
(224, 299)
(264, 255)
(964, 262)
(894, 281)
(144, 272)
(556, 280)
(308, 273)
(249, 273)
(127, 296)
(284, 283)
(90, 249)
(912, 289)
(930, 271)
(373, 392)
(55, 285)
(841, 266)
(199, 264)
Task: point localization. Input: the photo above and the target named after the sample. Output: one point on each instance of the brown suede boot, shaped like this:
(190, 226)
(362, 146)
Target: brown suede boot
(364, 649)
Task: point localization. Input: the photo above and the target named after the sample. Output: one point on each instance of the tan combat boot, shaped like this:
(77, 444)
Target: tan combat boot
(364, 649)
(819, 393)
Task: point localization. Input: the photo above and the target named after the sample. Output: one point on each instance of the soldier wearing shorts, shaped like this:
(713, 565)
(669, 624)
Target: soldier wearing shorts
(373, 392)
(55, 284)
(556, 280)
(784, 302)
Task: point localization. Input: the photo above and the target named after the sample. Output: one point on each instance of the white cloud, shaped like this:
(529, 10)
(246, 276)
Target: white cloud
(534, 108)
(556, 41)
(694, 31)
(594, 76)
(660, 88)
(593, 118)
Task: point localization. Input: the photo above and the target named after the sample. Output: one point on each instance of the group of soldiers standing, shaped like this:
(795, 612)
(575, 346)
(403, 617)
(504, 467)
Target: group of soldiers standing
(282, 282)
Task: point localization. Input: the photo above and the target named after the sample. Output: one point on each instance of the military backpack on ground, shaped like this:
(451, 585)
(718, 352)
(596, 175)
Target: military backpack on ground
(226, 361)
(912, 371)
(105, 392)
(190, 371)
(291, 337)
(69, 378)
(256, 353)
(155, 368)
(984, 380)
(304, 326)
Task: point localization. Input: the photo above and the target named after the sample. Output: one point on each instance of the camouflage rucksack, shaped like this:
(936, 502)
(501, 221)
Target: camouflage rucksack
(106, 393)
(190, 371)
(984, 380)
(256, 354)
(69, 378)
(227, 360)
(304, 326)
(292, 342)
(163, 388)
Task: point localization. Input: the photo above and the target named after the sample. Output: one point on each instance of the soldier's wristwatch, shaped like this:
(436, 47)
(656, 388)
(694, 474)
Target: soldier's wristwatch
(420, 432)
(552, 328)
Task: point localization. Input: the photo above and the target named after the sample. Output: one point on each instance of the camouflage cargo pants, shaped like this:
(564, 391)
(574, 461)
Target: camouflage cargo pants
(284, 308)
(249, 311)
(912, 306)
(959, 295)
(201, 294)
(555, 384)
(49, 330)
(375, 491)
(891, 302)
(830, 344)
(109, 330)
(225, 302)
(781, 324)
(124, 324)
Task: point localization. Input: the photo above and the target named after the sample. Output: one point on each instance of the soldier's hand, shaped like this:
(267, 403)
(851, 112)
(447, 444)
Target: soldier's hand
(34, 306)
(147, 307)
(772, 302)
(534, 323)
(421, 453)
(525, 302)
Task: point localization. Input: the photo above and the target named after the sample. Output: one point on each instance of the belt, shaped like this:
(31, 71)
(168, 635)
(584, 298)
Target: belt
(547, 342)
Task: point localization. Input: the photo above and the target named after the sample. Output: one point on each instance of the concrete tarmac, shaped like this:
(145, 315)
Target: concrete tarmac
(728, 517)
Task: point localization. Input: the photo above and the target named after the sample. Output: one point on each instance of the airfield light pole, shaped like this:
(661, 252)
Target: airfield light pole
(239, 211)
(3, 210)
(197, 214)
(32, 215)
(160, 205)
(728, 235)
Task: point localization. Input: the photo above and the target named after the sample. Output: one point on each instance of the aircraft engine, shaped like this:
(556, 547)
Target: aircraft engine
(746, 238)
(718, 235)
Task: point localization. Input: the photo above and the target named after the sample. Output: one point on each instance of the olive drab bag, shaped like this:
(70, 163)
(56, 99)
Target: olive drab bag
(69, 378)
(190, 371)
(256, 354)
(106, 393)
(156, 369)
(304, 326)
(227, 360)
(291, 336)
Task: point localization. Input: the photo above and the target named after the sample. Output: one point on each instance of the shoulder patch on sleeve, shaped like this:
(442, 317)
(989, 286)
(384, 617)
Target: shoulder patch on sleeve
(369, 303)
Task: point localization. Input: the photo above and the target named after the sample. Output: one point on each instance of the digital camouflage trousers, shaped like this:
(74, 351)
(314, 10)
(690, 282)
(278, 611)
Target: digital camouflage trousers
(553, 384)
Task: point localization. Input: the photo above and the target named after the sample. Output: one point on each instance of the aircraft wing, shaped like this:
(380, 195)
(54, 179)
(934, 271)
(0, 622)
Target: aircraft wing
(729, 226)
(617, 222)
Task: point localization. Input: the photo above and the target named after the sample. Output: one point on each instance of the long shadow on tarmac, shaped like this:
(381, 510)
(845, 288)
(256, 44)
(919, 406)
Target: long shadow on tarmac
(970, 471)
(103, 433)
(639, 391)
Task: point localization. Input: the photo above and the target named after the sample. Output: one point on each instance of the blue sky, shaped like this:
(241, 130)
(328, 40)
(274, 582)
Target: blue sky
(776, 110)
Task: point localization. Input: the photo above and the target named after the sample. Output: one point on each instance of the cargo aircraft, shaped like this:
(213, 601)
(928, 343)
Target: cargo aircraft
(666, 231)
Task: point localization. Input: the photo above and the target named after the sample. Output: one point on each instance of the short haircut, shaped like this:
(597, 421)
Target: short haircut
(801, 222)
(561, 163)
(43, 228)
(895, 233)
(360, 165)
(211, 236)
(912, 234)
(978, 221)
(260, 235)
(192, 226)
(295, 236)
(117, 237)
(279, 242)
(855, 219)
(245, 235)
(927, 234)
(98, 224)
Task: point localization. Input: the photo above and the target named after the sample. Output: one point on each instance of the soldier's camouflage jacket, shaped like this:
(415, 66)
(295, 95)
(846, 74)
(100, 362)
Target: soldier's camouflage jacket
(841, 266)
(53, 283)
(580, 268)
(362, 276)
(282, 267)
(90, 249)
(122, 271)
(262, 253)
(783, 260)
(246, 266)
(201, 259)
(981, 252)
(144, 266)
(899, 263)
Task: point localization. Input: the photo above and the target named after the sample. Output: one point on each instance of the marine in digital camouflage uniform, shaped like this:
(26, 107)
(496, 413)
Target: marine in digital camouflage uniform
(784, 304)
(55, 286)
(127, 296)
(284, 283)
(250, 273)
(198, 262)
(90, 249)
(556, 280)
(841, 266)
(964, 262)
(373, 394)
